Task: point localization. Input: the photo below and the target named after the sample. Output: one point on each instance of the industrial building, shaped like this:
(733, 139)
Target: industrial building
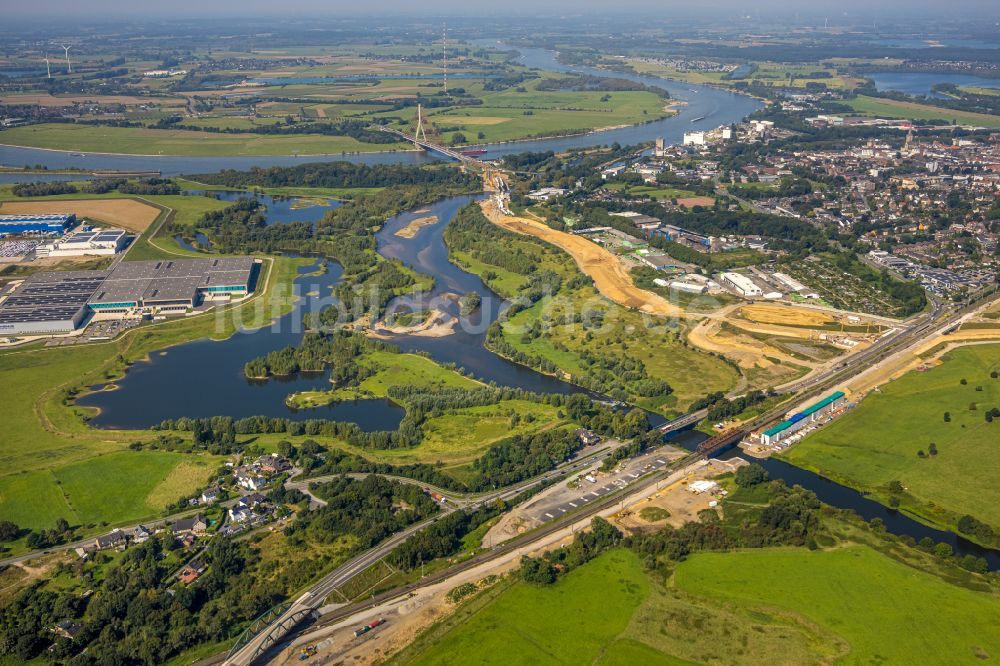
(807, 416)
(688, 287)
(49, 302)
(23, 225)
(742, 284)
(172, 285)
(57, 302)
(101, 242)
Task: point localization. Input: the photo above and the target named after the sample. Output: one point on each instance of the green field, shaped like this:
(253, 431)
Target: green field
(889, 108)
(878, 441)
(652, 191)
(849, 604)
(510, 115)
(139, 141)
(52, 453)
(573, 622)
(116, 487)
(877, 610)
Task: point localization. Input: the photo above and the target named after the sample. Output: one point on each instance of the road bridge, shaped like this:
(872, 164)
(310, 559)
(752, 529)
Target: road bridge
(432, 147)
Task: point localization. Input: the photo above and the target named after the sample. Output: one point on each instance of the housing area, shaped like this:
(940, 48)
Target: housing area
(57, 302)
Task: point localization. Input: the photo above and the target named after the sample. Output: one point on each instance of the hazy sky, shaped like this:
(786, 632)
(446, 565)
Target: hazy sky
(180, 8)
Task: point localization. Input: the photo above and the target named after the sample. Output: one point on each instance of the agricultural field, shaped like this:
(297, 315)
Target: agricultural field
(890, 108)
(878, 442)
(510, 115)
(750, 607)
(141, 141)
(141, 214)
(129, 214)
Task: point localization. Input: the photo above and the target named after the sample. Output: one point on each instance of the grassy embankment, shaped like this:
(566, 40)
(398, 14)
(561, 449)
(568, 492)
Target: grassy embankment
(878, 441)
(752, 607)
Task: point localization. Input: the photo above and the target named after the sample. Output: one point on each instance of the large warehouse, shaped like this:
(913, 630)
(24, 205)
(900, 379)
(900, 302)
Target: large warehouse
(50, 302)
(810, 414)
(57, 302)
(171, 285)
(19, 225)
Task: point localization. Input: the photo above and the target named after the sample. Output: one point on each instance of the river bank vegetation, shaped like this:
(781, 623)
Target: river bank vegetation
(560, 324)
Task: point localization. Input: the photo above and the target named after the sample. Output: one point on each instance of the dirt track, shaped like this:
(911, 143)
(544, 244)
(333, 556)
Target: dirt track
(125, 213)
(609, 276)
(778, 314)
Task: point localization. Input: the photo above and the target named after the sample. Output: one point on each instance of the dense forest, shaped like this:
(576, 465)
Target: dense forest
(142, 186)
(242, 228)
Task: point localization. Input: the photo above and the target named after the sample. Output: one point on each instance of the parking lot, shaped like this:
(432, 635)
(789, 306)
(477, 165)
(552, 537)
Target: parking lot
(581, 491)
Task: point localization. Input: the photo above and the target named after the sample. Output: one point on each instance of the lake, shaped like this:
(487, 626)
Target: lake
(921, 83)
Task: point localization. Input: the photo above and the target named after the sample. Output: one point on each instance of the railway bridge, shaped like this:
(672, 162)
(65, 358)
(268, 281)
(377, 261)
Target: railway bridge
(721, 441)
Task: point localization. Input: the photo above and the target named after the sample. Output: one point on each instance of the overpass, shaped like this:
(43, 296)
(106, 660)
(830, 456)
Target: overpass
(431, 147)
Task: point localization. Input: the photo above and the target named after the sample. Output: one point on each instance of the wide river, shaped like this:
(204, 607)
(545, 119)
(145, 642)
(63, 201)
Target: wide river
(175, 382)
(710, 106)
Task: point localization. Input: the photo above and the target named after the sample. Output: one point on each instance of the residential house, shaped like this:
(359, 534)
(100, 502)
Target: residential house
(190, 525)
(67, 629)
(115, 539)
(191, 571)
(209, 495)
(139, 534)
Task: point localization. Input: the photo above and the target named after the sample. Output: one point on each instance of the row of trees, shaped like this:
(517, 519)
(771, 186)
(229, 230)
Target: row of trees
(334, 175)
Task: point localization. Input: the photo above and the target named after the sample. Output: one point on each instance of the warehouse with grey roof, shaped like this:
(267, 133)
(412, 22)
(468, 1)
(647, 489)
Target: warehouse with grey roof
(57, 302)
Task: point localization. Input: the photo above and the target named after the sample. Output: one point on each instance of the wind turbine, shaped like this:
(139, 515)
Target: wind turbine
(48, 70)
(69, 65)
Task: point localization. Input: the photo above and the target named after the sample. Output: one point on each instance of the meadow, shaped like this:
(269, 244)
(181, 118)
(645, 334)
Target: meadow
(750, 607)
(871, 607)
(878, 441)
(142, 141)
(455, 437)
(889, 108)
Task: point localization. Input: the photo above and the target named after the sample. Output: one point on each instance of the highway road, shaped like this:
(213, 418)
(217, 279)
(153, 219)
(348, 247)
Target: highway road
(315, 596)
(938, 319)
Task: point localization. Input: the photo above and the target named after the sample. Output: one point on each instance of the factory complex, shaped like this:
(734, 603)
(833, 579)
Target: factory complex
(810, 415)
(42, 225)
(57, 302)
(99, 242)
